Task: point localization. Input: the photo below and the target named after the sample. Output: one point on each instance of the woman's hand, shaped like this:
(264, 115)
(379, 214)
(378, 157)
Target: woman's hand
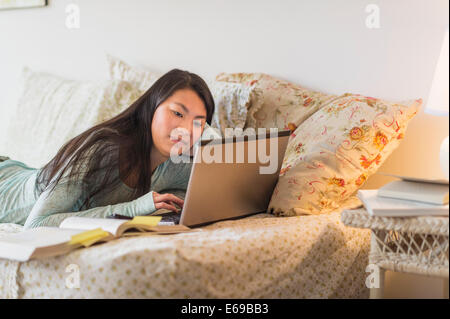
(167, 201)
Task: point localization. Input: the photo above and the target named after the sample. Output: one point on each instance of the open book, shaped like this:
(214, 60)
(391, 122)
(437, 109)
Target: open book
(76, 232)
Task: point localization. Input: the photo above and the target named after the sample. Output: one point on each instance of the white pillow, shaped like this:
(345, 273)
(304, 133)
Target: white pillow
(232, 100)
(51, 110)
(141, 77)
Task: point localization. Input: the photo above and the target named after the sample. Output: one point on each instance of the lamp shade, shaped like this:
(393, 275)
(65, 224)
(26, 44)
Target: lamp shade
(438, 99)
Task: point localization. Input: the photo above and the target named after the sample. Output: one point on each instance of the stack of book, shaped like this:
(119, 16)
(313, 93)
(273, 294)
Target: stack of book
(407, 197)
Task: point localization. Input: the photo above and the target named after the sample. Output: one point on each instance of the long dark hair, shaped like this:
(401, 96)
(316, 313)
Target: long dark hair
(95, 151)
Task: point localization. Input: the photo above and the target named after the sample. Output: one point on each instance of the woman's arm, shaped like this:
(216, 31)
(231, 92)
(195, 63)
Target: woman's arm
(53, 207)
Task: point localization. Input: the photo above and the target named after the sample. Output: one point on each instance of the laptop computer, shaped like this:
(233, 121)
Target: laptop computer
(231, 177)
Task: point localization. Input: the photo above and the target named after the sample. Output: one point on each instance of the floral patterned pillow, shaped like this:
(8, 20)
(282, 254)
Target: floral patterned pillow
(232, 100)
(331, 154)
(283, 105)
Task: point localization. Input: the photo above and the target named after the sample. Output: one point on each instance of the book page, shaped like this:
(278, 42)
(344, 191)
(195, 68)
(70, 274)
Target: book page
(163, 230)
(108, 224)
(41, 237)
(21, 246)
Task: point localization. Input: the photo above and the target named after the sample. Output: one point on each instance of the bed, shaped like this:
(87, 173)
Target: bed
(261, 256)
(298, 249)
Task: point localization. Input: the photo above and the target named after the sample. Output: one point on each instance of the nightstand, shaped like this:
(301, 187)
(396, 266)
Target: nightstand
(415, 245)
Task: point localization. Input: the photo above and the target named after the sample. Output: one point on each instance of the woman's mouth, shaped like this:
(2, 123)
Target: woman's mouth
(176, 140)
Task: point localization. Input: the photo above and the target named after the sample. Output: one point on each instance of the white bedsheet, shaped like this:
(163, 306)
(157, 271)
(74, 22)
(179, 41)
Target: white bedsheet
(261, 256)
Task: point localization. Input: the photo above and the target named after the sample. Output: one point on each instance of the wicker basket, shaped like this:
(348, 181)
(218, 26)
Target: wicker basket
(417, 245)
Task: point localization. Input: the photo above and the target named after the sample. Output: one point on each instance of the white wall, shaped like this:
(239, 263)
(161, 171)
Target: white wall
(321, 44)
(324, 45)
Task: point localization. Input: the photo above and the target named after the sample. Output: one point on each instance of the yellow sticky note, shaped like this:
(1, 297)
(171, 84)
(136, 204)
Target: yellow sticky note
(145, 220)
(88, 237)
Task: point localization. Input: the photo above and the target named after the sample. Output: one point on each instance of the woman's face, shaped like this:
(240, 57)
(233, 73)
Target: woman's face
(178, 122)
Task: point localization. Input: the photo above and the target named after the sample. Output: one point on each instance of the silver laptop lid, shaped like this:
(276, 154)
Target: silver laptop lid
(233, 177)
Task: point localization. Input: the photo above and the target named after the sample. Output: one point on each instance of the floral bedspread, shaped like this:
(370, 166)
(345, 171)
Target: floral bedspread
(262, 256)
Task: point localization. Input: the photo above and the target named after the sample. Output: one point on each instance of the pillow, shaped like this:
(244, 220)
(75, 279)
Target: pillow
(51, 110)
(232, 100)
(141, 77)
(284, 105)
(331, 154)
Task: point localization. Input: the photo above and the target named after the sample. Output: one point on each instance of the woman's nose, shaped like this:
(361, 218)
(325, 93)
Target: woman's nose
(193, 131)
(184, 134)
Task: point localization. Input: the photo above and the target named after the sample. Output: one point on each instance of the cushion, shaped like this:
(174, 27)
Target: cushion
(51, 110)
(282, 104)
(331, 154)
(140, 77)
(232, 100)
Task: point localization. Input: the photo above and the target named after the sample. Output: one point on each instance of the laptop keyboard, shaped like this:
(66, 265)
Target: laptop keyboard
(170, 217)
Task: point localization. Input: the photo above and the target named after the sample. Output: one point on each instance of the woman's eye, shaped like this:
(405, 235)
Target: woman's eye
(178, 114)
